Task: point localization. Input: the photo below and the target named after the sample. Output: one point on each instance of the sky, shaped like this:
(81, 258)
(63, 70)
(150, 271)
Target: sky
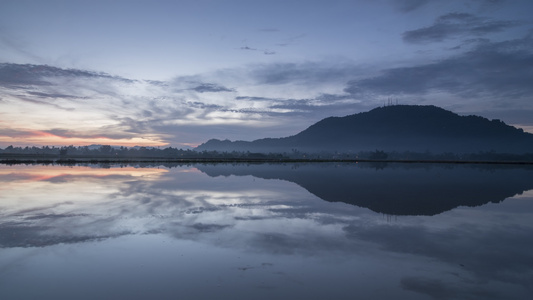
(178, 73)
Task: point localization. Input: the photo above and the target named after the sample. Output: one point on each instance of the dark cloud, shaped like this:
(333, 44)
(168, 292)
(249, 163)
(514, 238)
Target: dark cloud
(454, 25)
(202, 105)
(49, 95)
(201, 227)
(493, 70)
(265, 51)
(53, 216)
(248, 48)
(13, 75)
(16, 133)
(65, 133)
(211, 88)
(28, 99)
(157, 83)
(147, 113)
(255, 98)
(327, 98)
(472, 42)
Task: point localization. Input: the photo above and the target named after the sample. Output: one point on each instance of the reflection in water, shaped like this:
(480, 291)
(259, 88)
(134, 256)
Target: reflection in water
(135, 233)
(400, 189)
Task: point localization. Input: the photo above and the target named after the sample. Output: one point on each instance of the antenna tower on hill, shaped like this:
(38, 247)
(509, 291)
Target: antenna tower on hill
(391, 102)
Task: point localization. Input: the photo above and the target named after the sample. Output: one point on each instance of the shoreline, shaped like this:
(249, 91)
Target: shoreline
(135, 160)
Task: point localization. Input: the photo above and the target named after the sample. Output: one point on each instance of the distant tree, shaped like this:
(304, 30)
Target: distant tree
(63, 151)
(378, 155)
(105, 149)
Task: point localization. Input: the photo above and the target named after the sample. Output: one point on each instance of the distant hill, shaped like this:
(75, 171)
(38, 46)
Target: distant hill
(394, 128)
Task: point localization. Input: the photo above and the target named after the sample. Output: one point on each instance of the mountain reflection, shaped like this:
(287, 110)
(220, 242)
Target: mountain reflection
(395, 189)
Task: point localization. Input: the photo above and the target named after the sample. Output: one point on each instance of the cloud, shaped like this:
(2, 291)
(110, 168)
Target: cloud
(19, 133)
(251, 98)
(236, 98)
(43, 102)
(491, 71)
(211, 88)
(65, 133)
(304, 73)
(265, 51)
(62, 134)
(291, 40)
(248, 48)
(50, 95)
(100, 106)
(198, 104)
(455, 25)
(17, 74)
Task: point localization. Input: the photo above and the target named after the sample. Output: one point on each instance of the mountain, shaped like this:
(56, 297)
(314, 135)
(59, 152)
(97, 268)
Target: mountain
(394, 128)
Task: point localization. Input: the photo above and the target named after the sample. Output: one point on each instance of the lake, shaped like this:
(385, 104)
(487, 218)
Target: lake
(266, 231)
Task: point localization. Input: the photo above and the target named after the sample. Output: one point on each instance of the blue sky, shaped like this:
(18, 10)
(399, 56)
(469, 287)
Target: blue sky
(181, 72)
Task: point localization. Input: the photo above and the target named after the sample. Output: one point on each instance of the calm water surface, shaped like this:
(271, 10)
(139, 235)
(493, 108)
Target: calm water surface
(266, 231)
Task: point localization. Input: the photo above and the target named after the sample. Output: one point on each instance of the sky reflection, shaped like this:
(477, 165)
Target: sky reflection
(249, 236)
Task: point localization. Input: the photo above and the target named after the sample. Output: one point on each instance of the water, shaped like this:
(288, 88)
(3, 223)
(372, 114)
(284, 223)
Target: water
(266, 231)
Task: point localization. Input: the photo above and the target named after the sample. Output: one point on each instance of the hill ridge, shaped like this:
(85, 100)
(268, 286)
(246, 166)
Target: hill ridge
(394, 128)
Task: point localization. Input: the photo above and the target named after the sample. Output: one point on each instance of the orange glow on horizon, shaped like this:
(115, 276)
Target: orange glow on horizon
(192, 145)
(41, 138)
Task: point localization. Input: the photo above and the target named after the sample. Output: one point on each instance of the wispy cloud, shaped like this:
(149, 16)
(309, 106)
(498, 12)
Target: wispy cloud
(453, 25)
(16, 74)
(248, 48)
(211, 88)
(52, 95)
(291, 40)
(305, 72)
(265, 51)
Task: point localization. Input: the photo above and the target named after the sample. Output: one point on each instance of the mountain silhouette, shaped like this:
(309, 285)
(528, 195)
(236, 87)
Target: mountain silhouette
(395, 189)
(394, 128)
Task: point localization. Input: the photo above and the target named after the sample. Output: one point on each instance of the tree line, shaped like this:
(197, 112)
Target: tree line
(110, 152)
(107, 151)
